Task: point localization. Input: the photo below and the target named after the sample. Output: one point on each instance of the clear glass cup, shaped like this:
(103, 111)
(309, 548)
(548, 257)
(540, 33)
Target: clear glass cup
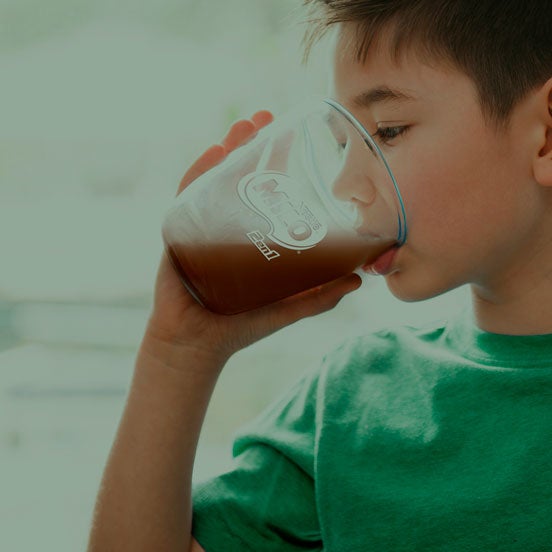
(309, 199)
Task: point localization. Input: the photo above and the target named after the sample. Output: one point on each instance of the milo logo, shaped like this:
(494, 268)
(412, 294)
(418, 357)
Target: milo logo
(274, 197)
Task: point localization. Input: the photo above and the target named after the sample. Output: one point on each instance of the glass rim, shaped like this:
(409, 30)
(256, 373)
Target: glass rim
(402, 226)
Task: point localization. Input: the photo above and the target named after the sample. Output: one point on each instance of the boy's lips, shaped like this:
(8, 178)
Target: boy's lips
(383, 264)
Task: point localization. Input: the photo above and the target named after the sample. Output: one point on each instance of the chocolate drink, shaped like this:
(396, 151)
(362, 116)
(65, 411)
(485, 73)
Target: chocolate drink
(240, 243)
(228, 278)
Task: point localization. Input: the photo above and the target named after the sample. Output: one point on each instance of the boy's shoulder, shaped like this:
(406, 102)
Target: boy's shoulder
(395, 365)
(379, 349)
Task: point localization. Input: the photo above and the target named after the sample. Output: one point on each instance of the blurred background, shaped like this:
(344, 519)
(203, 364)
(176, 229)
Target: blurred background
(104, 106)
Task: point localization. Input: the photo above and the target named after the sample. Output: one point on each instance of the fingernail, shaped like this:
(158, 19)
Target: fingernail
(262, 116)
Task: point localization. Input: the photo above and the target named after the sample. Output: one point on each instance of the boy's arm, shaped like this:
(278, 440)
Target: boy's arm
(196, 547)
(144, 503)
(145, 497)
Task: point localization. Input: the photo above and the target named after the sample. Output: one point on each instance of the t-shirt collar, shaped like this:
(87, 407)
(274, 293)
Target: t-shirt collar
(517, 351)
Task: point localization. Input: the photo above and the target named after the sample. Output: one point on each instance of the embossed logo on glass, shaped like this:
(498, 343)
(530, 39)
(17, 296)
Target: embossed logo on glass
(273, 196)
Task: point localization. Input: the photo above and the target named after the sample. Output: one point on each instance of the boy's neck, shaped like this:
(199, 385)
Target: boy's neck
(525, 312)
(518, 299)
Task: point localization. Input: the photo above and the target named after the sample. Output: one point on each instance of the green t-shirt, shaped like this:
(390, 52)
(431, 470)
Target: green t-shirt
(403, 440)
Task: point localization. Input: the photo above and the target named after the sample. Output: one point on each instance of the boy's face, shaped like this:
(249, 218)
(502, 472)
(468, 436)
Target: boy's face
(471, 202)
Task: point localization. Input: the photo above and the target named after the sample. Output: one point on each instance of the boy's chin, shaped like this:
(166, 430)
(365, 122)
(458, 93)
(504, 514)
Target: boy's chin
(406, 288)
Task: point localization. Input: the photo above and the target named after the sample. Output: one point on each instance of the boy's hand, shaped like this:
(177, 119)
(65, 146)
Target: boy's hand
(179, 324)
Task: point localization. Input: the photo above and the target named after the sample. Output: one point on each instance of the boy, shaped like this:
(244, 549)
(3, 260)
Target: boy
(406, 439)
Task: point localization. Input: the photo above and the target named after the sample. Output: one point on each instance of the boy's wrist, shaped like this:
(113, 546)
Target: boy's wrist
(180, 356)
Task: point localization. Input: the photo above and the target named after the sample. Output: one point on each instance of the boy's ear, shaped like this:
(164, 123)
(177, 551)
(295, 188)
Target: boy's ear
(543, 161)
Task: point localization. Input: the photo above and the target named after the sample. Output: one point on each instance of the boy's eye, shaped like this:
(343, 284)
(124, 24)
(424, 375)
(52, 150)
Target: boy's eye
(386, 134)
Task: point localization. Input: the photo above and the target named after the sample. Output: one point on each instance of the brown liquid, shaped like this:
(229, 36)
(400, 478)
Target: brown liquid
(231, 277)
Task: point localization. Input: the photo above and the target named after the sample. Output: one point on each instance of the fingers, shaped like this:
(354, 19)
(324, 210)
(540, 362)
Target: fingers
(240, 133)
(308, 303)
(244, 130)
(321, 298)
(213, 156)
(262, 118)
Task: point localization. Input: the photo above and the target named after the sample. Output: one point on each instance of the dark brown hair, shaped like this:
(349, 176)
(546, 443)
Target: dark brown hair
(504, 46)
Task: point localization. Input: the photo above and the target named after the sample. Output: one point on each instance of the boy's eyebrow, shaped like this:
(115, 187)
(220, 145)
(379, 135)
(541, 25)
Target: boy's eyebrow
(380, 94)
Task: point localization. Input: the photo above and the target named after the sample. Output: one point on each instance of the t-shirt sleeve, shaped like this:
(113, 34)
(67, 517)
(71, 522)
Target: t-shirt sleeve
(266, 502)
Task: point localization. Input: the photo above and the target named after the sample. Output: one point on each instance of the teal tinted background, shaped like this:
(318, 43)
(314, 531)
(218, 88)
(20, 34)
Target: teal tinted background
(103, 108)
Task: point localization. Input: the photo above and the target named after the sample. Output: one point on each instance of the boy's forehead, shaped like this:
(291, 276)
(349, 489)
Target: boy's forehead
(350, 77)
(382, 76)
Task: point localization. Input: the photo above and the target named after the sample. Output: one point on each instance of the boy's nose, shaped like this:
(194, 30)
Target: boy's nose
(354, 186)
(361, 184)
